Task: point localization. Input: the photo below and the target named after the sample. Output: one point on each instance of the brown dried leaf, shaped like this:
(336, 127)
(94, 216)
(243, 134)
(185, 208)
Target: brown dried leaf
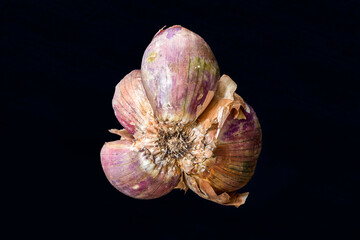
(182, 184)
(203, 188)
(223, 103)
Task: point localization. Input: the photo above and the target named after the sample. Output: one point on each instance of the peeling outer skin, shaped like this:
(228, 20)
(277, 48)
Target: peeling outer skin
(134, 173)
(130, 103)
(123, 133)
(203, 189)
(233, 127)
(179, 74)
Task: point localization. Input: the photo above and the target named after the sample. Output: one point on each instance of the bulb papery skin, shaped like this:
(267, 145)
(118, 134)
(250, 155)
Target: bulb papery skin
(184, 126)
(179, 74)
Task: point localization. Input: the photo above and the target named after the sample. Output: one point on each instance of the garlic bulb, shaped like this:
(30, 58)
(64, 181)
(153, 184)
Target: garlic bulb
(184, 126)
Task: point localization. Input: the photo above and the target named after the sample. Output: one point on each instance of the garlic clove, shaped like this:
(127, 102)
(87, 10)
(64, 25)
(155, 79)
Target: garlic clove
(134, 173)
(131, 106)
(179, 74)
(237, 150)
(232, 126)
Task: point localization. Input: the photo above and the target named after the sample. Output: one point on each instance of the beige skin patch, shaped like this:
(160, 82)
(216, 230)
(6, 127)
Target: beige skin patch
(202, 107)
(152, 56)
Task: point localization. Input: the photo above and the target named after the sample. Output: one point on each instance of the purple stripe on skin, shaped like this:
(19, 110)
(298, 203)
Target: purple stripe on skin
(112, 152)
(124, 118)
(132, 112)
(205, 83)
(153, 187)
(165, 188)
(117, 161)
(149, 187)
(171, 32)
(160, 185)
(238, 148)
(235, 129)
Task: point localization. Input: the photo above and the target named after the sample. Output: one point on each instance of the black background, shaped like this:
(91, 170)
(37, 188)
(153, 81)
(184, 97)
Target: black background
(295, 62)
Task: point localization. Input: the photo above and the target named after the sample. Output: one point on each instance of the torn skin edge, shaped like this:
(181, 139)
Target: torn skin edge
(160, 31)
(223, 103)
(123, 133)
(228, 199)
(182, 183)
(203, 189)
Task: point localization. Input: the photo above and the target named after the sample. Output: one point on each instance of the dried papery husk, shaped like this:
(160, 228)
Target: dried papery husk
(179, 74)
(134, 173)
(131, 106)
(233, 129)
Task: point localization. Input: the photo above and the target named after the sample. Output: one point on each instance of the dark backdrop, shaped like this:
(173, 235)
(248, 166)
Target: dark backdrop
(295, 62)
